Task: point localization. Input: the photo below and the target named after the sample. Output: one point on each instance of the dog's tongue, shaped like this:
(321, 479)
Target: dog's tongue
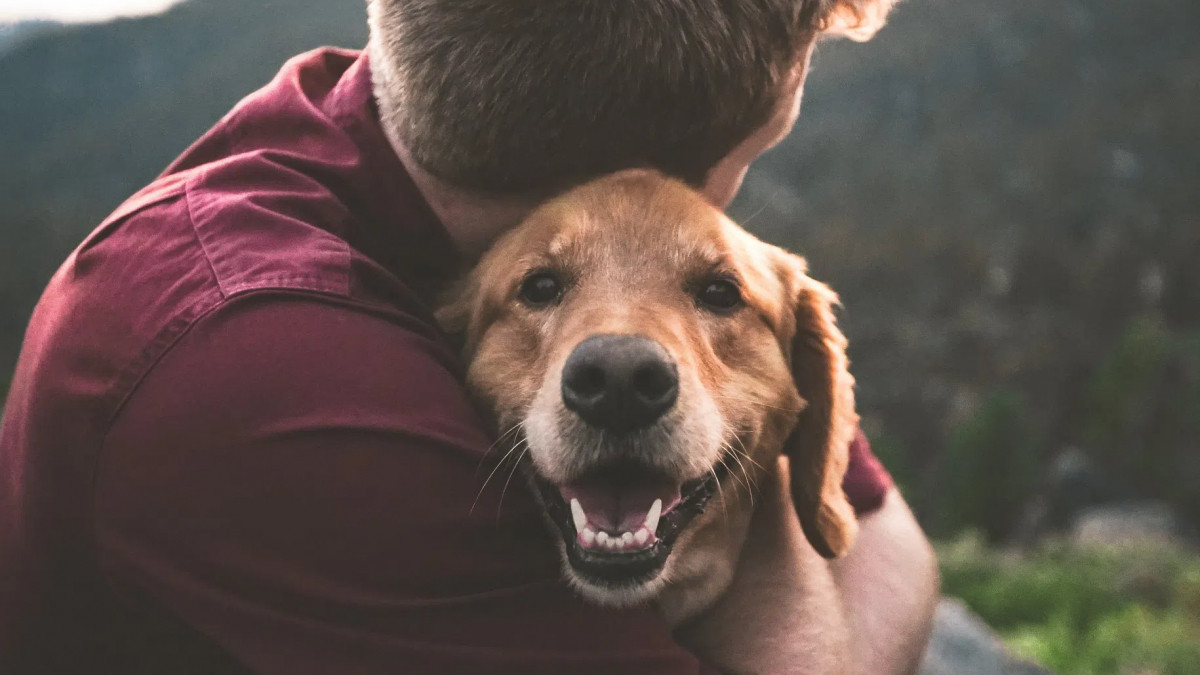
(619, 503)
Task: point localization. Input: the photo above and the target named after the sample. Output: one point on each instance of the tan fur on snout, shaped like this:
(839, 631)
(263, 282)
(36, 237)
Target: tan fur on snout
(633, 250)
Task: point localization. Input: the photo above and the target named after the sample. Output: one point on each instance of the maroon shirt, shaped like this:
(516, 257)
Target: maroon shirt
(236, 440)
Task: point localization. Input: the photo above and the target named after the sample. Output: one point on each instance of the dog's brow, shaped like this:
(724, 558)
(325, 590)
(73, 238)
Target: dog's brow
(707, 260)
(557, 247)
(692, 254)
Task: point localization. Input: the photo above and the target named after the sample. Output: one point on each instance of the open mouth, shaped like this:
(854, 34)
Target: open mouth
(620, 522)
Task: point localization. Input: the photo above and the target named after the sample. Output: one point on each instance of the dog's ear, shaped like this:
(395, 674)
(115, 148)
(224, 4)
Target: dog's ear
(456, 310)
(818, 449)
(858, 20)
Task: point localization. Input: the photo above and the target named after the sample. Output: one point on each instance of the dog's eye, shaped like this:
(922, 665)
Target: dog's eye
(720, 294)
(540, 289)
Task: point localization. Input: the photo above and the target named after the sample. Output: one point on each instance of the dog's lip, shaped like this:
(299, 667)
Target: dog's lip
(638, 563)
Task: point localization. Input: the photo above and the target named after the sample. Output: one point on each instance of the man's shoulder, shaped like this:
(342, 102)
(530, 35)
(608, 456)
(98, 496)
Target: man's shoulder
(294, 192)
(261, 224)
(192, 240)
(190, 244)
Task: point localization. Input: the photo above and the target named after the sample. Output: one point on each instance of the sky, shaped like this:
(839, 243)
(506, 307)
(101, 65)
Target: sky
(77, 10)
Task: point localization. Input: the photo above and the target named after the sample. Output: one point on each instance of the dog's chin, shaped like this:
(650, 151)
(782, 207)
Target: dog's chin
(624, 565)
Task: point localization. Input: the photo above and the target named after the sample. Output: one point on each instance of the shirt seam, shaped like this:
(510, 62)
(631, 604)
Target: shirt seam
(187, 200)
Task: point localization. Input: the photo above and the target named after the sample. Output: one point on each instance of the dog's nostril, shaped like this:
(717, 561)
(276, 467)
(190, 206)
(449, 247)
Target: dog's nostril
(653, 381)
(619, 382)
(587, 380)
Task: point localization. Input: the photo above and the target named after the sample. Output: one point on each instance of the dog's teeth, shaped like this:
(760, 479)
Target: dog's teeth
(578, 515)
(588, 536)
(602, 538)
(653, 515)
(642, 536)
(627, 538)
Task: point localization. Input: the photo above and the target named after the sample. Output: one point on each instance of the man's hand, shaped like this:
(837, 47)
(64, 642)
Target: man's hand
(791, 611)
(782, 613)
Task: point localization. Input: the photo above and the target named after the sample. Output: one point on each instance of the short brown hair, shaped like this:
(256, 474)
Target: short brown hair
(532, 96)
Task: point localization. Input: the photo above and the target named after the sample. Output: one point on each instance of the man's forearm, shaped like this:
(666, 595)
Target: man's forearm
(889, 587)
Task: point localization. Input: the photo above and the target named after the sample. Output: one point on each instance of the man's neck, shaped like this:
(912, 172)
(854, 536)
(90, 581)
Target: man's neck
(473, 221)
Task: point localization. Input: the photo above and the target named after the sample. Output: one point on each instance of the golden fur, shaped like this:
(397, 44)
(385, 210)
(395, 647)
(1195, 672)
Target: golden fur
(768, 378)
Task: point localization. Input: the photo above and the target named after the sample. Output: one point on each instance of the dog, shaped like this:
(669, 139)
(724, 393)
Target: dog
(652, 360)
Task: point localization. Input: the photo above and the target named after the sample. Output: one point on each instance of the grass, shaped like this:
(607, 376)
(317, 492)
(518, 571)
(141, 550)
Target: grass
(1132, 610)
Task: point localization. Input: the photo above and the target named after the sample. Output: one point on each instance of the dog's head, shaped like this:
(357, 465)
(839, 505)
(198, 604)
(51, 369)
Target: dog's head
(654, 357)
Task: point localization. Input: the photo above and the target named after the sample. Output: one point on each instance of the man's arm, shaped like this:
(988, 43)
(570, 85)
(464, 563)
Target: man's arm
(294, 482)
(889, 586)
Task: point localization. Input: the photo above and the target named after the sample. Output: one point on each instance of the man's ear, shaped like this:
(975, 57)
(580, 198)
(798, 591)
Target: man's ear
(858, 20)
(818, 449)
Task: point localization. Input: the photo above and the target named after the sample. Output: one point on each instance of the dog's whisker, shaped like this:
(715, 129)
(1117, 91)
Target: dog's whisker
(738, 456)
(746, 453)
(745, 479)
(500, 463)
(732, 453)
(495, 444)
(736, 435)
(516, 465)
(720, 492)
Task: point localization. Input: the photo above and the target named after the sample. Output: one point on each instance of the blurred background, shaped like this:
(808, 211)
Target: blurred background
(1006, 195)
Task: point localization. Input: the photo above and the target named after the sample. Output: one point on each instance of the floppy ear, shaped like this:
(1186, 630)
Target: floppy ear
(858, 20)
(456, 310)
(818, 449)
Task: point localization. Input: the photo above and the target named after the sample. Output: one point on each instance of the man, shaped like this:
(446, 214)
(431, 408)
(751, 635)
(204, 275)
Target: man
(237, 442)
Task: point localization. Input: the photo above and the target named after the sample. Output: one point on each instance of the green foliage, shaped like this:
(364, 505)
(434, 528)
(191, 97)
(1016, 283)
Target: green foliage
(989, 469)
(1143, 411)
(1085, 612)
(1124, 382)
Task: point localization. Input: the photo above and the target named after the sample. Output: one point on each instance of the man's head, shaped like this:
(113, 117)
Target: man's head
(527, 97)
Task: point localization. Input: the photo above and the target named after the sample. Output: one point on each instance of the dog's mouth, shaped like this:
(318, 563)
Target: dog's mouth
(619, 523)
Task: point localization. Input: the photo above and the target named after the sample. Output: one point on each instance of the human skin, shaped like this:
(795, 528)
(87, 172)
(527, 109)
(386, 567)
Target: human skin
(887, 584)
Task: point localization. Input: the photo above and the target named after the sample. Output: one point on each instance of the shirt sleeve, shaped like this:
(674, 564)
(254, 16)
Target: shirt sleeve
(867, 482)
(300, 483)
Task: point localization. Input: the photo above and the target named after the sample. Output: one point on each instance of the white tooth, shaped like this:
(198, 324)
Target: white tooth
(653, 515)
(615, 544)
(579, 516)
(627, 538)
(642, 536)
(602, 538)
(588, 536)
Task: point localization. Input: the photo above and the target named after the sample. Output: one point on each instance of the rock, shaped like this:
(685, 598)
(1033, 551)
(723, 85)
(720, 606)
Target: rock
(1133, 523)
(1072, 484)
(963, 644)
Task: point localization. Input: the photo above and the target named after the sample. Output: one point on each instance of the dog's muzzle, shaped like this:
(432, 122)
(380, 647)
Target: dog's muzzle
(620, 517)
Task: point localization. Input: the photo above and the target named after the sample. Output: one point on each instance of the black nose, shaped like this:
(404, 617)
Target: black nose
(619, 383)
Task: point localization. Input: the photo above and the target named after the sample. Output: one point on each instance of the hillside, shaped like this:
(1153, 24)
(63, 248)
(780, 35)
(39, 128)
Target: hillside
(1003, 193)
